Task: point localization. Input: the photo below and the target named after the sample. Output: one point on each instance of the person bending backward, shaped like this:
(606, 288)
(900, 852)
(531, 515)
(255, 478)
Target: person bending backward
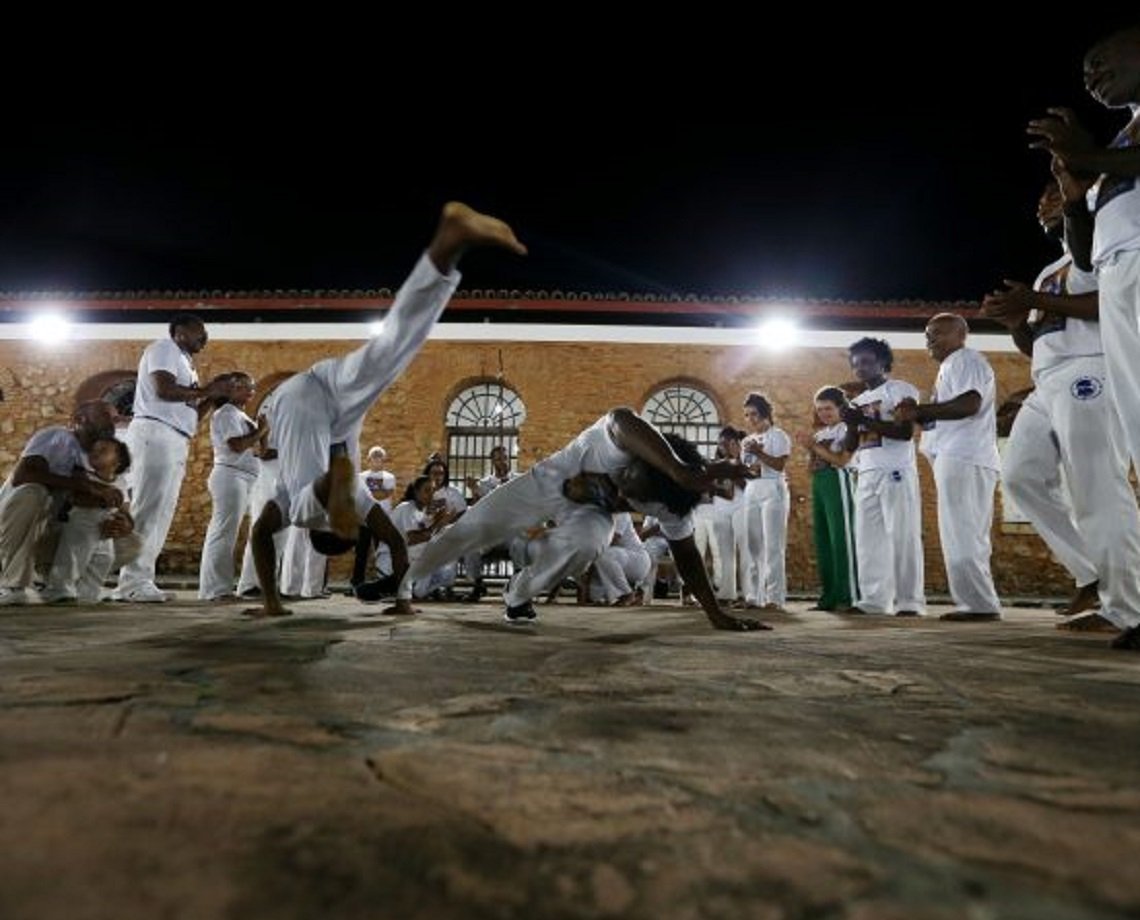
(960, 440)
(52, 467)
(167, 408)
(645, 468)
(764, 452)
(319, 413)
(832, 502)
(1102, 224)
(1087, 515)
(888, 508)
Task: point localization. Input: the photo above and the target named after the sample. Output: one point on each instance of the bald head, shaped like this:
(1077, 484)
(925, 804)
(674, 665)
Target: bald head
(945, 334)
(92, 421)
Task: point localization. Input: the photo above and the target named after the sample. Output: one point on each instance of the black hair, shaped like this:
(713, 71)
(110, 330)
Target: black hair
(184, 319)
(730, 433)
(674, 497)
(759, 402)
(879, 348)
(231, 377)
(413, 487)
(328, 543)
(438, 461)
(832, 395)
(499, 448)
(124, 454)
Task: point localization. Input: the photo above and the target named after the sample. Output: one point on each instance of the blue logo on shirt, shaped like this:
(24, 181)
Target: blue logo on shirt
(1087, 388)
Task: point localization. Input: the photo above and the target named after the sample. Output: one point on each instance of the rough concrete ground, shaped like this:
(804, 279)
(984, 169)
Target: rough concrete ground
(181, 762)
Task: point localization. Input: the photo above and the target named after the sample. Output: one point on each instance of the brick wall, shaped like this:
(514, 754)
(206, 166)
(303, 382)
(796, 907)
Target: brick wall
(565, 387)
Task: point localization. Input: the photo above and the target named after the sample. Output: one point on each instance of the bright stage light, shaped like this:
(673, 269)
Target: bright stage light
(49, 328)
(375, 327)
(777, 334)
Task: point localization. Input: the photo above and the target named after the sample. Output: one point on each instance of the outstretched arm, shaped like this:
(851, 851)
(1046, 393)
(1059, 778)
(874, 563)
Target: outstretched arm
(961, 406)
(265, 561)
(634, 435)
(692, 571)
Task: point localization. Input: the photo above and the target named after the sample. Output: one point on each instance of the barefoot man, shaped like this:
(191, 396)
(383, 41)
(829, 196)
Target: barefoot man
(319, 412)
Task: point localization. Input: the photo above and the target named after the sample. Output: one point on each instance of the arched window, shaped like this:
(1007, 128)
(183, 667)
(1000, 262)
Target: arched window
(115, 387)
(688, 412)
(480, 417)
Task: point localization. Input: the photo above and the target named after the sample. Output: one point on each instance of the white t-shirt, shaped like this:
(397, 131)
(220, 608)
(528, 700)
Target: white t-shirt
(307, 511)
(407, 517)
(876, 452)
(230, 422)
(774, 442)
(489, 484)
(1115, 200)
(832, 437)
(1057, 338)
(625, 535)
(973, 439)
(164, 355)
(594, 451)
(59, 448)
(377, 481)
(451, 497)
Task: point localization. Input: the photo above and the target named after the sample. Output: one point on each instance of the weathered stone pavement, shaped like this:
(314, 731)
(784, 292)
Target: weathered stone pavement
(181, 762)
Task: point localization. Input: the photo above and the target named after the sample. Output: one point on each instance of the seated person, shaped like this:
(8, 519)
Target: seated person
(619, 573)
(418, 520)
(93, 538)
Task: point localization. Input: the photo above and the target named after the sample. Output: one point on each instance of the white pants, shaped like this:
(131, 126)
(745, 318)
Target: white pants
(443, 577)
(1119, 281)
(230, 492)
(888, 541)
(84, 558)
(1031, 474)
(658, 548)
(158, 466)
(25, 513)
(705, 539)
(327, 403)
(617, 571)
(1069, 422)
(302, 567)
(262, 492)
(565, 551)
(965, 517)
(730, 533)
(766, 507)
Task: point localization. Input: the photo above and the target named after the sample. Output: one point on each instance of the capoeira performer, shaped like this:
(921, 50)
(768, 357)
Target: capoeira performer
(640, 462)
(960, 440)
(322, 410)
(1088, 517)
(888, 508)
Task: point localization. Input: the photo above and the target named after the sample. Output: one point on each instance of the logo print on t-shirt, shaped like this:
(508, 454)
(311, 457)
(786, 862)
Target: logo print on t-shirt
(1087, 388)
(871, 438)
(1045, 322)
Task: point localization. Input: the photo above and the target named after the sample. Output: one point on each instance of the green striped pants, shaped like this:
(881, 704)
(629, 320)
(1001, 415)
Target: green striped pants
(833, 526)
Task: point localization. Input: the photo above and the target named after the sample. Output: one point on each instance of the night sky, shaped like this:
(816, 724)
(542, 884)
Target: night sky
(779, 165)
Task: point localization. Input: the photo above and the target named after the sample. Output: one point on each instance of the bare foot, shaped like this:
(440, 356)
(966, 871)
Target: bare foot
(1088, 622)
(400, 608)
(263, 613)
(1086, 598)
(342, 504)
(461, 227)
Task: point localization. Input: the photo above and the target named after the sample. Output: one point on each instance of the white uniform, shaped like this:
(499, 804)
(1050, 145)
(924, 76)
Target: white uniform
(515, 547)
(1115, 201)
(888, 510)
(264, 488)
(658, 548)
(27, 511)
(326, 404)
(766, 505)
(622, 566)
(730, 531)
(1088, 515)
(704, 535)
(964, 456)
(302, 569)
(407, 517)
(159, 440)
(231, 484)
(569, 548)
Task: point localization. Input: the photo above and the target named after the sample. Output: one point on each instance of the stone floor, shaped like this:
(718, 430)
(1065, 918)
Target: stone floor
(181, 762)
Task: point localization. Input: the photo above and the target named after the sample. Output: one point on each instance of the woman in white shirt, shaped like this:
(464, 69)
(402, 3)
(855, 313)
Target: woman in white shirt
(832, 502)
(730, 527)
(419, 519)
(233, 435)
(765, 451)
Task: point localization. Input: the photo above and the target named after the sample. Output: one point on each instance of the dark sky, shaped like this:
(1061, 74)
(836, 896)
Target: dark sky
(856, 165)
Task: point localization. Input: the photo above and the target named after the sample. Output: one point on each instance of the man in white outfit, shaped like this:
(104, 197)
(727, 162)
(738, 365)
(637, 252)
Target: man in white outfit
(1088, 517)
(622, 566)
(1103, 231)
(52, 467)
(960, 440)
(641, 463)
(319, 413)
(168, 405)
(888, 507)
